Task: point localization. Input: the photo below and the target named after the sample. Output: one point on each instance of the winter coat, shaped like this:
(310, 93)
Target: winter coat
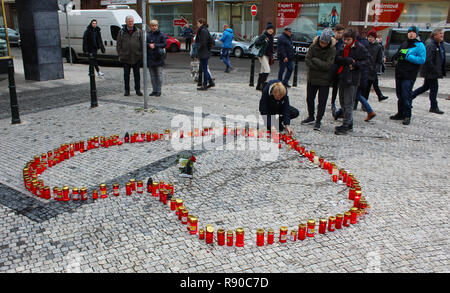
(408, 67)
(376, 59)
(269, 106)
(320, 62)
(339, 44)
(92, 40)
(434, 66)
(203, 40)
(129, 46)
(365, 69)
(227, 38)
(358, 53)
(285, 47)
(265, 44)
(188, 33)
(154, 56)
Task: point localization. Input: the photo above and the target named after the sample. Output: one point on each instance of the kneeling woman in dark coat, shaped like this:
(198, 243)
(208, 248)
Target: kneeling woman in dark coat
(275, 101)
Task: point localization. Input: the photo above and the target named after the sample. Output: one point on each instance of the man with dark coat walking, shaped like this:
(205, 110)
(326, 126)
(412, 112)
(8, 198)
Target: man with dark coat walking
(156, 49)
(375, 63)
(286, 56)
(92, 42)
(433, 69)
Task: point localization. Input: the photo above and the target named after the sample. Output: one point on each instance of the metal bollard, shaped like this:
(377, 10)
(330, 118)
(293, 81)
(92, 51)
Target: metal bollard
(252, 72)
(294, 83)
(94, 101)
(15, 118)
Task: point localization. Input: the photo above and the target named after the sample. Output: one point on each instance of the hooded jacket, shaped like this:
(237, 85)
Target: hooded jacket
(154, 57)
(408, 64)
(227, 38)
(320, 62)
(129, 45)
(434, 66)
(92, 40)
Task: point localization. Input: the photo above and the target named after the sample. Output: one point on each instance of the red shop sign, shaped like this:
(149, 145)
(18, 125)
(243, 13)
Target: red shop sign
(287, 12)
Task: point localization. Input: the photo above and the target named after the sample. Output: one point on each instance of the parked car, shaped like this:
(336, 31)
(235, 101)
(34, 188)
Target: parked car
(301, 42)
(239, 45)
(3, 48)
(13, 36)
(396, 36)
(173, 45)
(109, 20)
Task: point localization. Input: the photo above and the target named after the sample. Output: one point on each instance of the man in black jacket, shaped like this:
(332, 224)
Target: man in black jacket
(92, 42)
(286, 56)
(351, 58)
(204, 42)
(275, 101)
(375, 63)
(433, 69)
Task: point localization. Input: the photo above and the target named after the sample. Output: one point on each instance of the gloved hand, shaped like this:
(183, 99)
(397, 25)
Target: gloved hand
(402, 54)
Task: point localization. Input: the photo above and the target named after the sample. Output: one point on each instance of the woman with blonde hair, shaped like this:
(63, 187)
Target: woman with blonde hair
(275, 101)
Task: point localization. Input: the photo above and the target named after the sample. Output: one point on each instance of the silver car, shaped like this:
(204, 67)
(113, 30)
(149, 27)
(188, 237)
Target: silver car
(239, 45)
(13, 36)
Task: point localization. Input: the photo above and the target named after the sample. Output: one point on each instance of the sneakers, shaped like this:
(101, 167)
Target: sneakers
(127, 93)
(139, 93)
(370, 116)
(100, 73)
(211, 85)
(202, 88)
(436, 110)
(406, 121)
(317, 126)
(380, 99)
(342, 130)
(397, 116)
(157, 94)
(308, 120)
(152, 94)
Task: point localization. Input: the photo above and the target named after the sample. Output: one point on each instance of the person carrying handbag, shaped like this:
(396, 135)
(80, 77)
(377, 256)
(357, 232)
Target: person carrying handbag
(265, 54)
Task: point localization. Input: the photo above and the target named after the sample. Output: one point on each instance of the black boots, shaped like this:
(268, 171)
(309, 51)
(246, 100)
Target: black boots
(262, 81)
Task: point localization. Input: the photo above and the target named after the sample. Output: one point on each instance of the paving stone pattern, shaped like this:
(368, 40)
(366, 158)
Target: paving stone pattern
(402, 171)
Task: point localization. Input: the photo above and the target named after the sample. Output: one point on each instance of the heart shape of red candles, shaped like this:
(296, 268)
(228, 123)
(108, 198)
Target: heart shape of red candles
(34, 168)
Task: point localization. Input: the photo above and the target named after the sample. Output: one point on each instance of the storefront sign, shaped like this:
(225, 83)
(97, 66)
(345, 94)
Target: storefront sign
(386, 12)
(287, 12)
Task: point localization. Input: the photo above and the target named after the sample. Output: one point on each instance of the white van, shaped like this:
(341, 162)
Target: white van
(110, 22)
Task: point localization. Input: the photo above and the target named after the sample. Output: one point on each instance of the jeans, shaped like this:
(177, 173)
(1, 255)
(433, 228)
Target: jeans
(362, 99)
(136, 74)
(206, 75)
(334, 92)
(95, 62)
(289, 66)
(433, 86)
(311, 91)
(403, 88)
(156, 77)
(376, 88)
(188, 44)
(346, 99)
(225, 56)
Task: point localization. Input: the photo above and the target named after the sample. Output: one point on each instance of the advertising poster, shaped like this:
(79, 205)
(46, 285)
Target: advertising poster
(329, 15)
(386, 12)
(287, 12)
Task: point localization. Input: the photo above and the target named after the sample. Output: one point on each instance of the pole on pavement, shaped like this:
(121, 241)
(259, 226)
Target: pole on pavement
(294, 83)
(15, 118)
(68, 33)
(94, 101)
(144, 51)
(252, 72)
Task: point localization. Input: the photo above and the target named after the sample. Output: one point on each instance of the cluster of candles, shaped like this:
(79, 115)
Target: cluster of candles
(165, 192)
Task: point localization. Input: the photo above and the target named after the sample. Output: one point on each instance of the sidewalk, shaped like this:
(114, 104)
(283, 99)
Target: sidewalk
(401, 169)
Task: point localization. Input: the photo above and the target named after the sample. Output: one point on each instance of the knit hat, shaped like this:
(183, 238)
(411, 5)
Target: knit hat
(288, 29)
(326, 35)
(413, 29)
(270, 26)
(372, 33)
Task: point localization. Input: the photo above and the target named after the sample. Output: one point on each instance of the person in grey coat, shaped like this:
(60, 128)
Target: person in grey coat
(433, 69)
(129, 48)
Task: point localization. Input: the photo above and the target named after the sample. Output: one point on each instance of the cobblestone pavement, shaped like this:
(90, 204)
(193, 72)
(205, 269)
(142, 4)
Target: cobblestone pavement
(402, 171)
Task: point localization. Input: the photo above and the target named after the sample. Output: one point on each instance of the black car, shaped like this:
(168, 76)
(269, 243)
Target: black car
(301, 42)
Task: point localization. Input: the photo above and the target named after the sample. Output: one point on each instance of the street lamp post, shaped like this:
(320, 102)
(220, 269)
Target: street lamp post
(66, 6)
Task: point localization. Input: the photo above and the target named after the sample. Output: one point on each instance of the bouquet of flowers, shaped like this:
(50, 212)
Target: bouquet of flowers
(186, 165)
